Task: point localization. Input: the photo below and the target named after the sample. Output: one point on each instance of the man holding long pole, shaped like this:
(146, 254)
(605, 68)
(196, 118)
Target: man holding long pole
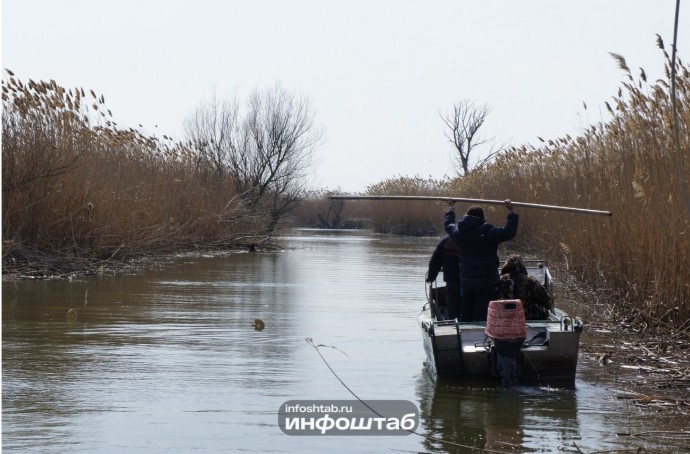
(478, 243)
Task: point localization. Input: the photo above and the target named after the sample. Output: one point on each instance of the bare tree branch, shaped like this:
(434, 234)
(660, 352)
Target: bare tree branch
(463, 123)
(265, 151)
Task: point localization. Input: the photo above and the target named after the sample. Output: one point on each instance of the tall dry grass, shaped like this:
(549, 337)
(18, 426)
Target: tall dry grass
(627, 165)
(390, 217)
(77, 187)
(316, 210)
(407, 217)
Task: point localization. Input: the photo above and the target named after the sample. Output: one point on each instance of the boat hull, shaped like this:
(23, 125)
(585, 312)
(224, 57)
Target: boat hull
(547, 356)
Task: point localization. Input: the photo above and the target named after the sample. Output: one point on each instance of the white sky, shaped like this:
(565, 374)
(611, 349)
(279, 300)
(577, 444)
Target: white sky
(377, 72)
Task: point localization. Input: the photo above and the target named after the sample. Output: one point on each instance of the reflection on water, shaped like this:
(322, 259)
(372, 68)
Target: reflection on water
(168, 360)
(492, 418)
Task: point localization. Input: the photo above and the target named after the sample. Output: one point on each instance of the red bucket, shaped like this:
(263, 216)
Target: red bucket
(506, 320)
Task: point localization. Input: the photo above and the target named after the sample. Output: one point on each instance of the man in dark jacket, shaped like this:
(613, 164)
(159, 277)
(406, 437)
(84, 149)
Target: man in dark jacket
(446, 257)
(478, 242)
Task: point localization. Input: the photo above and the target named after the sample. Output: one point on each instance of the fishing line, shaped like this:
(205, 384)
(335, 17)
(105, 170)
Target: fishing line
(310, 341)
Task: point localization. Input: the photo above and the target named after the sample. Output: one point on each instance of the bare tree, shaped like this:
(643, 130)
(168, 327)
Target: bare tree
(463, 122)
(265, 150)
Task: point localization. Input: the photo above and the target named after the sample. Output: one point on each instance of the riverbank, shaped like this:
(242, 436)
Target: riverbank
(33, 264)
(82, 195)
(647, 366)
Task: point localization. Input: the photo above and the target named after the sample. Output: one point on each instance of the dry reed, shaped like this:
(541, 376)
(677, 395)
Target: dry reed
(78, 188)
(628, 166)
(408, 217)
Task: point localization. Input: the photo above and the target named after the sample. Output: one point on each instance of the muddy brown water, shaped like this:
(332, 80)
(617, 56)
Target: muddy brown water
(168, 360)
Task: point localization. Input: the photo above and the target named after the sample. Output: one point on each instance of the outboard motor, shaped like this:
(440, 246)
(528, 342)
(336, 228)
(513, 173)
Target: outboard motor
(505, 325)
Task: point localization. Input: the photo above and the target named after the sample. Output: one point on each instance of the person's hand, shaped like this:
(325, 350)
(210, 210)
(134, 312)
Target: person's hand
(451, 204)
(508, 204)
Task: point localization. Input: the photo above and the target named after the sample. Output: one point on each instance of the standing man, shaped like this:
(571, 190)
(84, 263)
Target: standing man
(478, 242)
(446, 257)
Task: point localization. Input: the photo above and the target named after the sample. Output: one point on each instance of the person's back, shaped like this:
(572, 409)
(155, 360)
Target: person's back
(446, 258)
(478, 243)
(478, 253)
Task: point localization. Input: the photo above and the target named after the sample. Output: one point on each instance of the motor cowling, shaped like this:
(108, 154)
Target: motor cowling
(506, 320)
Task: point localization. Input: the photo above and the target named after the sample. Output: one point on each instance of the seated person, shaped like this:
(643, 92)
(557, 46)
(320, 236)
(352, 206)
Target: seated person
(516, 283)
(446, 257)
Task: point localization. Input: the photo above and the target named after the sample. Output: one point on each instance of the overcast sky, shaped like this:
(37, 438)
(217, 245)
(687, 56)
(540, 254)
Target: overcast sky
(377, 72)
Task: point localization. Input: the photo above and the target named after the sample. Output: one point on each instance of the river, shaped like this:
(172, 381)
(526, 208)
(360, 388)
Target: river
(168, 360)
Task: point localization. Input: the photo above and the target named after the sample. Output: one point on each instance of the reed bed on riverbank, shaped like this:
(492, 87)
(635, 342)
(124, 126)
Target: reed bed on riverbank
(408, 217)
(390, 217)
(318, 211)
(79, 188)
(627, 165)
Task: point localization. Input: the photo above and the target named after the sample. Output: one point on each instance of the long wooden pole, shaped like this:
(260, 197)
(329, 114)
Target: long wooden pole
(462, 199)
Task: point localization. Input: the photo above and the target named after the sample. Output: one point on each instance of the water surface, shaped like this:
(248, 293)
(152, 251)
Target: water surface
(167, 360)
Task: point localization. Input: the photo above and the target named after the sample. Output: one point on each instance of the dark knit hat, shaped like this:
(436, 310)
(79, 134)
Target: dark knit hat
(476, 211)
